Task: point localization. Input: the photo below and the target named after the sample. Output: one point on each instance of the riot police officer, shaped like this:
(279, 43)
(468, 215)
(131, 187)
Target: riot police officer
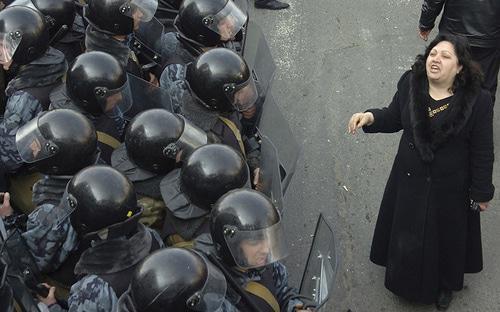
(201, 25)
(59, 15)
(177, 278)
(35, 69)
(155, 141)
(56, 144)
(189, 192)
(110, 242)
(110, 24)
(217, 86)
(97, 85)
(65, 26)
(249, 241)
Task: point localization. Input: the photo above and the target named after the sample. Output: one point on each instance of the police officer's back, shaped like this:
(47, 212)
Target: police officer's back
(97, 85)
(104, 213)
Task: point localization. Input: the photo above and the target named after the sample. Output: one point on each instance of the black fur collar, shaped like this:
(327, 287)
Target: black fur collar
(427, 140)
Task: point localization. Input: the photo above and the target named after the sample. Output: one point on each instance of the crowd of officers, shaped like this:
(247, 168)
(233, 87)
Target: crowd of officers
(134, 206)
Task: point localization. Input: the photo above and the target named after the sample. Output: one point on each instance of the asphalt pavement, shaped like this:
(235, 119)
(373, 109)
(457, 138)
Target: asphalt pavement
(336, 58)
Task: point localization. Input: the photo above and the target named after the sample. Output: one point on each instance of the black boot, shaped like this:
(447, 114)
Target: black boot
(271, 4)
(443, 300)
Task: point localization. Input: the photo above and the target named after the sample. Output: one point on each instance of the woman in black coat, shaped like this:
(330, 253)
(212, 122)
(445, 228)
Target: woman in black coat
(428, 229)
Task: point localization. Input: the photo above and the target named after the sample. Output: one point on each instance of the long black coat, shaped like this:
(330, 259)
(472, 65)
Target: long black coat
(426, 235)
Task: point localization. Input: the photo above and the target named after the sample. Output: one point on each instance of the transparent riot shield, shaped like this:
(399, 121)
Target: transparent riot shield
(258, 56)
(146, 43)
(19, 274)
(269, 178)
(321, 268)
(273, 125)
(146, 96)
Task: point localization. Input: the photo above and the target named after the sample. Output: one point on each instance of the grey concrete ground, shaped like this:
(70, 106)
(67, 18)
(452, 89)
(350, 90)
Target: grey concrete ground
(335, 58)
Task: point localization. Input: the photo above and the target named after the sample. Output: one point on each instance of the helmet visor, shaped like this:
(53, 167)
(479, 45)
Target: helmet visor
(243, 96)
(211, 297)
(116, 102)
(227, 22)
(139, 10)
(9, 42)
(257, 248)
(191, 138)
(31, 144)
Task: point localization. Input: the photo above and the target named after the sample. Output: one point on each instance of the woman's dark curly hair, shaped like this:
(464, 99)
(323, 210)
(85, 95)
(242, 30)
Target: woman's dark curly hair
(470, 75)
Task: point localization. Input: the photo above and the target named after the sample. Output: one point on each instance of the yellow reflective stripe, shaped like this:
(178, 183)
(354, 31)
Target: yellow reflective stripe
(262, 292)
(235, 131)
(107, 139)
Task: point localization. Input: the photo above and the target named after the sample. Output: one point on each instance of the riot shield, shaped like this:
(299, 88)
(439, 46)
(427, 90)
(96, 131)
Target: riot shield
(272, 124)
(269, 179)
(321, 268)
(258, 56)
(146, 96)
(146, 43)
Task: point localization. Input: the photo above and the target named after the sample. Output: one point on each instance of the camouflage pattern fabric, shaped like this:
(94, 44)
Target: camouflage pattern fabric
(21, 107)
(90, 294)
(50, 236)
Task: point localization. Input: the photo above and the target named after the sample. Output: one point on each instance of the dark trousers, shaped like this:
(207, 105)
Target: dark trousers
(489, 59)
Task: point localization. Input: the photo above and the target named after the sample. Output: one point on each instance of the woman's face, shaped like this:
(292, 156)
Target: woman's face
(256, 252)
(442, 64)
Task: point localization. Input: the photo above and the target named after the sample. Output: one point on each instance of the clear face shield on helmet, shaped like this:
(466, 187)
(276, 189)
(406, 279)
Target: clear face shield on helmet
(242, 96)
(139, 10)
(9, 42)
(227, 22)
(116, 102)
(191, 138)
(257, 248)
(213, 293)
(32, 145)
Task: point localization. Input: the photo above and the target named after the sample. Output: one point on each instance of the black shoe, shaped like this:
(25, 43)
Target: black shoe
(271, 5)
(443, 300)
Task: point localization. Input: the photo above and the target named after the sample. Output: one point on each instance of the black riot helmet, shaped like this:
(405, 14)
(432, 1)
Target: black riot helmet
(103, 203)
(221, 80)
(24, 35)
(116, 17)
(177, 279)
(58, 142)
(59, 15)
(210, 172)
(98, 84)
(246, 229)
(209, 22)
(155, 137)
